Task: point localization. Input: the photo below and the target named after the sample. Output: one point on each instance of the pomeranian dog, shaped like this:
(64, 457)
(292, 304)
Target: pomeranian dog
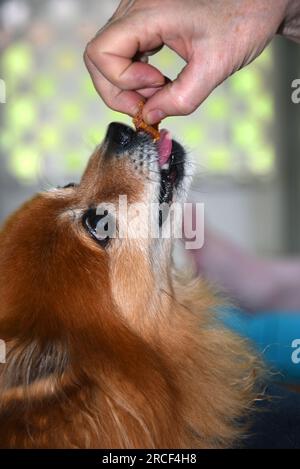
(106, 346)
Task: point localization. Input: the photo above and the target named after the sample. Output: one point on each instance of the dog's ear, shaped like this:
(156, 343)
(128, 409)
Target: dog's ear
(32, 371)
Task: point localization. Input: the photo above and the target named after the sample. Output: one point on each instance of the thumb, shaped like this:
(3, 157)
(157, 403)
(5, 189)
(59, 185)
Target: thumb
(183, 96)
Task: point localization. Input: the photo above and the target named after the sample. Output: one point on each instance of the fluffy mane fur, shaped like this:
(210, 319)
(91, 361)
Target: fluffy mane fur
(188, 383)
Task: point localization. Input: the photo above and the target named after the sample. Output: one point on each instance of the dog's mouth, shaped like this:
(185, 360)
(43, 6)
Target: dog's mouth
(171, 157)
(167, 157)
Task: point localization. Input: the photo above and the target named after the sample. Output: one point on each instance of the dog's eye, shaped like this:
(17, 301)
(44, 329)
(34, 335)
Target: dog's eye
(71, 184)
(98, 226)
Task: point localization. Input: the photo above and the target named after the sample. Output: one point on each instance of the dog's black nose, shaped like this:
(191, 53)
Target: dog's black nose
(120, 134)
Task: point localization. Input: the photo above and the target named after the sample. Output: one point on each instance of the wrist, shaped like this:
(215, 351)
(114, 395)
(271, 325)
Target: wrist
(290, 26)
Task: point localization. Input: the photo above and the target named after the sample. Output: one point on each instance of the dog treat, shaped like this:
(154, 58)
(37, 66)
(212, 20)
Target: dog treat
(141, 125)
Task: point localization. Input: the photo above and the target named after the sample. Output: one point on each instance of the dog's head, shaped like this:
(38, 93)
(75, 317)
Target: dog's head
(74, 258)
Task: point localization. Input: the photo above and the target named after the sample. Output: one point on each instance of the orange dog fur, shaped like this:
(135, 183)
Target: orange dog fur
(108, 348)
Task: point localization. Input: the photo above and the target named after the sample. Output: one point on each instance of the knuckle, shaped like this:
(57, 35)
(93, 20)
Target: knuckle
(86, 57)
(183, 105)
(109, 98)
(89, 51)
(94, 52)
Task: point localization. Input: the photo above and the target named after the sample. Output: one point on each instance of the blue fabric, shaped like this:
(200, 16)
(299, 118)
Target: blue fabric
(276, 425)
(275, 335)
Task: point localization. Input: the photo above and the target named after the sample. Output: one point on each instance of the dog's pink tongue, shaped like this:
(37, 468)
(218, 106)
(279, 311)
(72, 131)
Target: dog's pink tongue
(164, 147)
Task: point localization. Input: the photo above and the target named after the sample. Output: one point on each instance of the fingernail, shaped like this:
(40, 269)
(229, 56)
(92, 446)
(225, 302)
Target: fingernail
(157, 84)
(153, 117)
(160, 82)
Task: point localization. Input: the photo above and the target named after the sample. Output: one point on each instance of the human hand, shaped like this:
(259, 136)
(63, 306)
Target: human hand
(214, 37)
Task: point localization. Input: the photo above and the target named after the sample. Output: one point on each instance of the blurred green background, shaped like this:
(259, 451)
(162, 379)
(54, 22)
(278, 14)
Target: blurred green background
(53, 118)
(53, 110)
